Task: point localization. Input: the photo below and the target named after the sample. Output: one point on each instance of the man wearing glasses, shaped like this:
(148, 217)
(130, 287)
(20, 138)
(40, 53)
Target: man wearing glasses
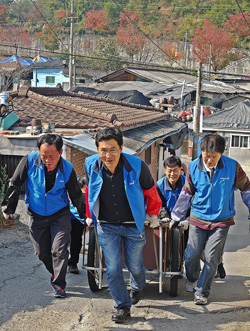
(120, 191)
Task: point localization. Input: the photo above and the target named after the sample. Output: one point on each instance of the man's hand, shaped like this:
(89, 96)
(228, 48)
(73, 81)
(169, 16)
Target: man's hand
(153, 220)
(184, 224)
(173, 225)
(165, 220)
(7, 216)
(88, 221)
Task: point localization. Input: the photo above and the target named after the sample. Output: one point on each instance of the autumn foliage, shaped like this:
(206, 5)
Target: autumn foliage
(128, 36)
(171, 50)
(221, 45)
(97, 20)
(238, 26)
(3, 13)
(14, 35)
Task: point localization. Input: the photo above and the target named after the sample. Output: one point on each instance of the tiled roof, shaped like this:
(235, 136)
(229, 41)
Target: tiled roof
(69, 110)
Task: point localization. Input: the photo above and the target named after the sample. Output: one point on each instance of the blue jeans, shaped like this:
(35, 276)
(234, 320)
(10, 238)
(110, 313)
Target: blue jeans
(213, 241)
(110, 238)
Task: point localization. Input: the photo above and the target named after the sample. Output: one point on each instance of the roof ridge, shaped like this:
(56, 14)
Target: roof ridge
(112, 101)
(76, 108)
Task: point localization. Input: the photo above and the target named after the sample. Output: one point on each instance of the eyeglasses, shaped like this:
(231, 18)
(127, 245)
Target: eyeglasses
(175, 171)
(104, 153)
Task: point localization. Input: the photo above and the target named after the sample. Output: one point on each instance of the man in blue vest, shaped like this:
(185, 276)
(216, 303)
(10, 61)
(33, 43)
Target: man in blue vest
(49, 180)
(120, 191)
(210, 182)
(169, 186)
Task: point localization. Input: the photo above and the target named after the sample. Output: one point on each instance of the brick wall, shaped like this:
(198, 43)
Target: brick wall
(77, 158)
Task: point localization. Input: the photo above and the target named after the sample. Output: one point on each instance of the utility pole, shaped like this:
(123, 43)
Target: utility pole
(196, 120)
(210, 59)
(185, 50)
(71, 46)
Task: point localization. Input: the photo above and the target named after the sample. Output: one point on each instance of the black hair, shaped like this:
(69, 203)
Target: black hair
(172, 161)
(50, 139)
(107, 134)
(213, 143)
(81, 181)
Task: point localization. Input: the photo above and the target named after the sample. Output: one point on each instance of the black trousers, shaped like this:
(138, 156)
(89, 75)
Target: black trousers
(50, 237)
(76, 241)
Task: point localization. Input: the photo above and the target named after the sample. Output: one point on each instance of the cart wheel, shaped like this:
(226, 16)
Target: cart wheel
(93, 261)
(175, 262)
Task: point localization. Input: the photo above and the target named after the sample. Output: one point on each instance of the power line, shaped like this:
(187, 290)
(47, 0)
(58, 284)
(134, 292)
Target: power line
(145, 33)
(242, 13)
(46, 21)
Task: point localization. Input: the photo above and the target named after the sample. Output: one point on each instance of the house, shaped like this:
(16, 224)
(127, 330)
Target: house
(234, 125)
(148, 75)
(148, 133)
(174, 80)
(130, 96)
(53, 72)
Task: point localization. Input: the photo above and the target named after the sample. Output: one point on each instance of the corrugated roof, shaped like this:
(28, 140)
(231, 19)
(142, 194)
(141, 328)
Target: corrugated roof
(233, 118)
(131, 96)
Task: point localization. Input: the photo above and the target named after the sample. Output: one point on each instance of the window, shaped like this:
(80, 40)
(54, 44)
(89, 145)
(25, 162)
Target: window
(239, 141)
(148, 156)
(50, 79)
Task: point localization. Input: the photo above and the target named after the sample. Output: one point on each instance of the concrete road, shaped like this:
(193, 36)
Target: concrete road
(27, 302)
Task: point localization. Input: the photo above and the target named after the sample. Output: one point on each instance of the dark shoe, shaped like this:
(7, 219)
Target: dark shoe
(59, 293)
(135, 296)
(221, 271)
(122, 315)
(73, 269)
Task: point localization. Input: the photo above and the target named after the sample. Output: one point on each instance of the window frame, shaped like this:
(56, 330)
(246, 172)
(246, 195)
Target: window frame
(53, 78)
(240, 136)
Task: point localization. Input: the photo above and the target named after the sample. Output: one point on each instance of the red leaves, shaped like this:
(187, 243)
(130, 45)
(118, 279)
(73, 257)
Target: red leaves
(237, 25)
(97, 20)
(14, 35)
(221, 45)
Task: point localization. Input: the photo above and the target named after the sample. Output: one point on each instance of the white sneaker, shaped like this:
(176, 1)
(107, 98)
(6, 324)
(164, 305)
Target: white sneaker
(190, 286)
(200, 299)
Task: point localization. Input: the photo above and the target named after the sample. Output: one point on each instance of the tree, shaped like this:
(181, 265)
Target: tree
(107, 50)
(14, 36)
(237, 25)
(3, 13)
(49, 36)
(171, 50)
(221, 42)
(97, 20)
(128, 36)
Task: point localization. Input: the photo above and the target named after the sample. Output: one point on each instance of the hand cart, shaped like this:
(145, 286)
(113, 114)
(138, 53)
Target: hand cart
(163, 256)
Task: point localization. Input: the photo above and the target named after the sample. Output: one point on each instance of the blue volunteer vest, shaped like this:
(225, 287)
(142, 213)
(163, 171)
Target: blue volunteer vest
(39, 201)
(131, 183)
(170, 196)
(213, 201)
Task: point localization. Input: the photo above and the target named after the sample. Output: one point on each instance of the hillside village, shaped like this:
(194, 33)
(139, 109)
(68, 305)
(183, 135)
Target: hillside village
(166, 74)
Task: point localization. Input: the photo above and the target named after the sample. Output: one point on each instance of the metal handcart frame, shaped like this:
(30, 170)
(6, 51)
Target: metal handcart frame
(163, 256)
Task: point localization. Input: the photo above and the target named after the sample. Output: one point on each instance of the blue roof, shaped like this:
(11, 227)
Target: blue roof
(22, 60)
